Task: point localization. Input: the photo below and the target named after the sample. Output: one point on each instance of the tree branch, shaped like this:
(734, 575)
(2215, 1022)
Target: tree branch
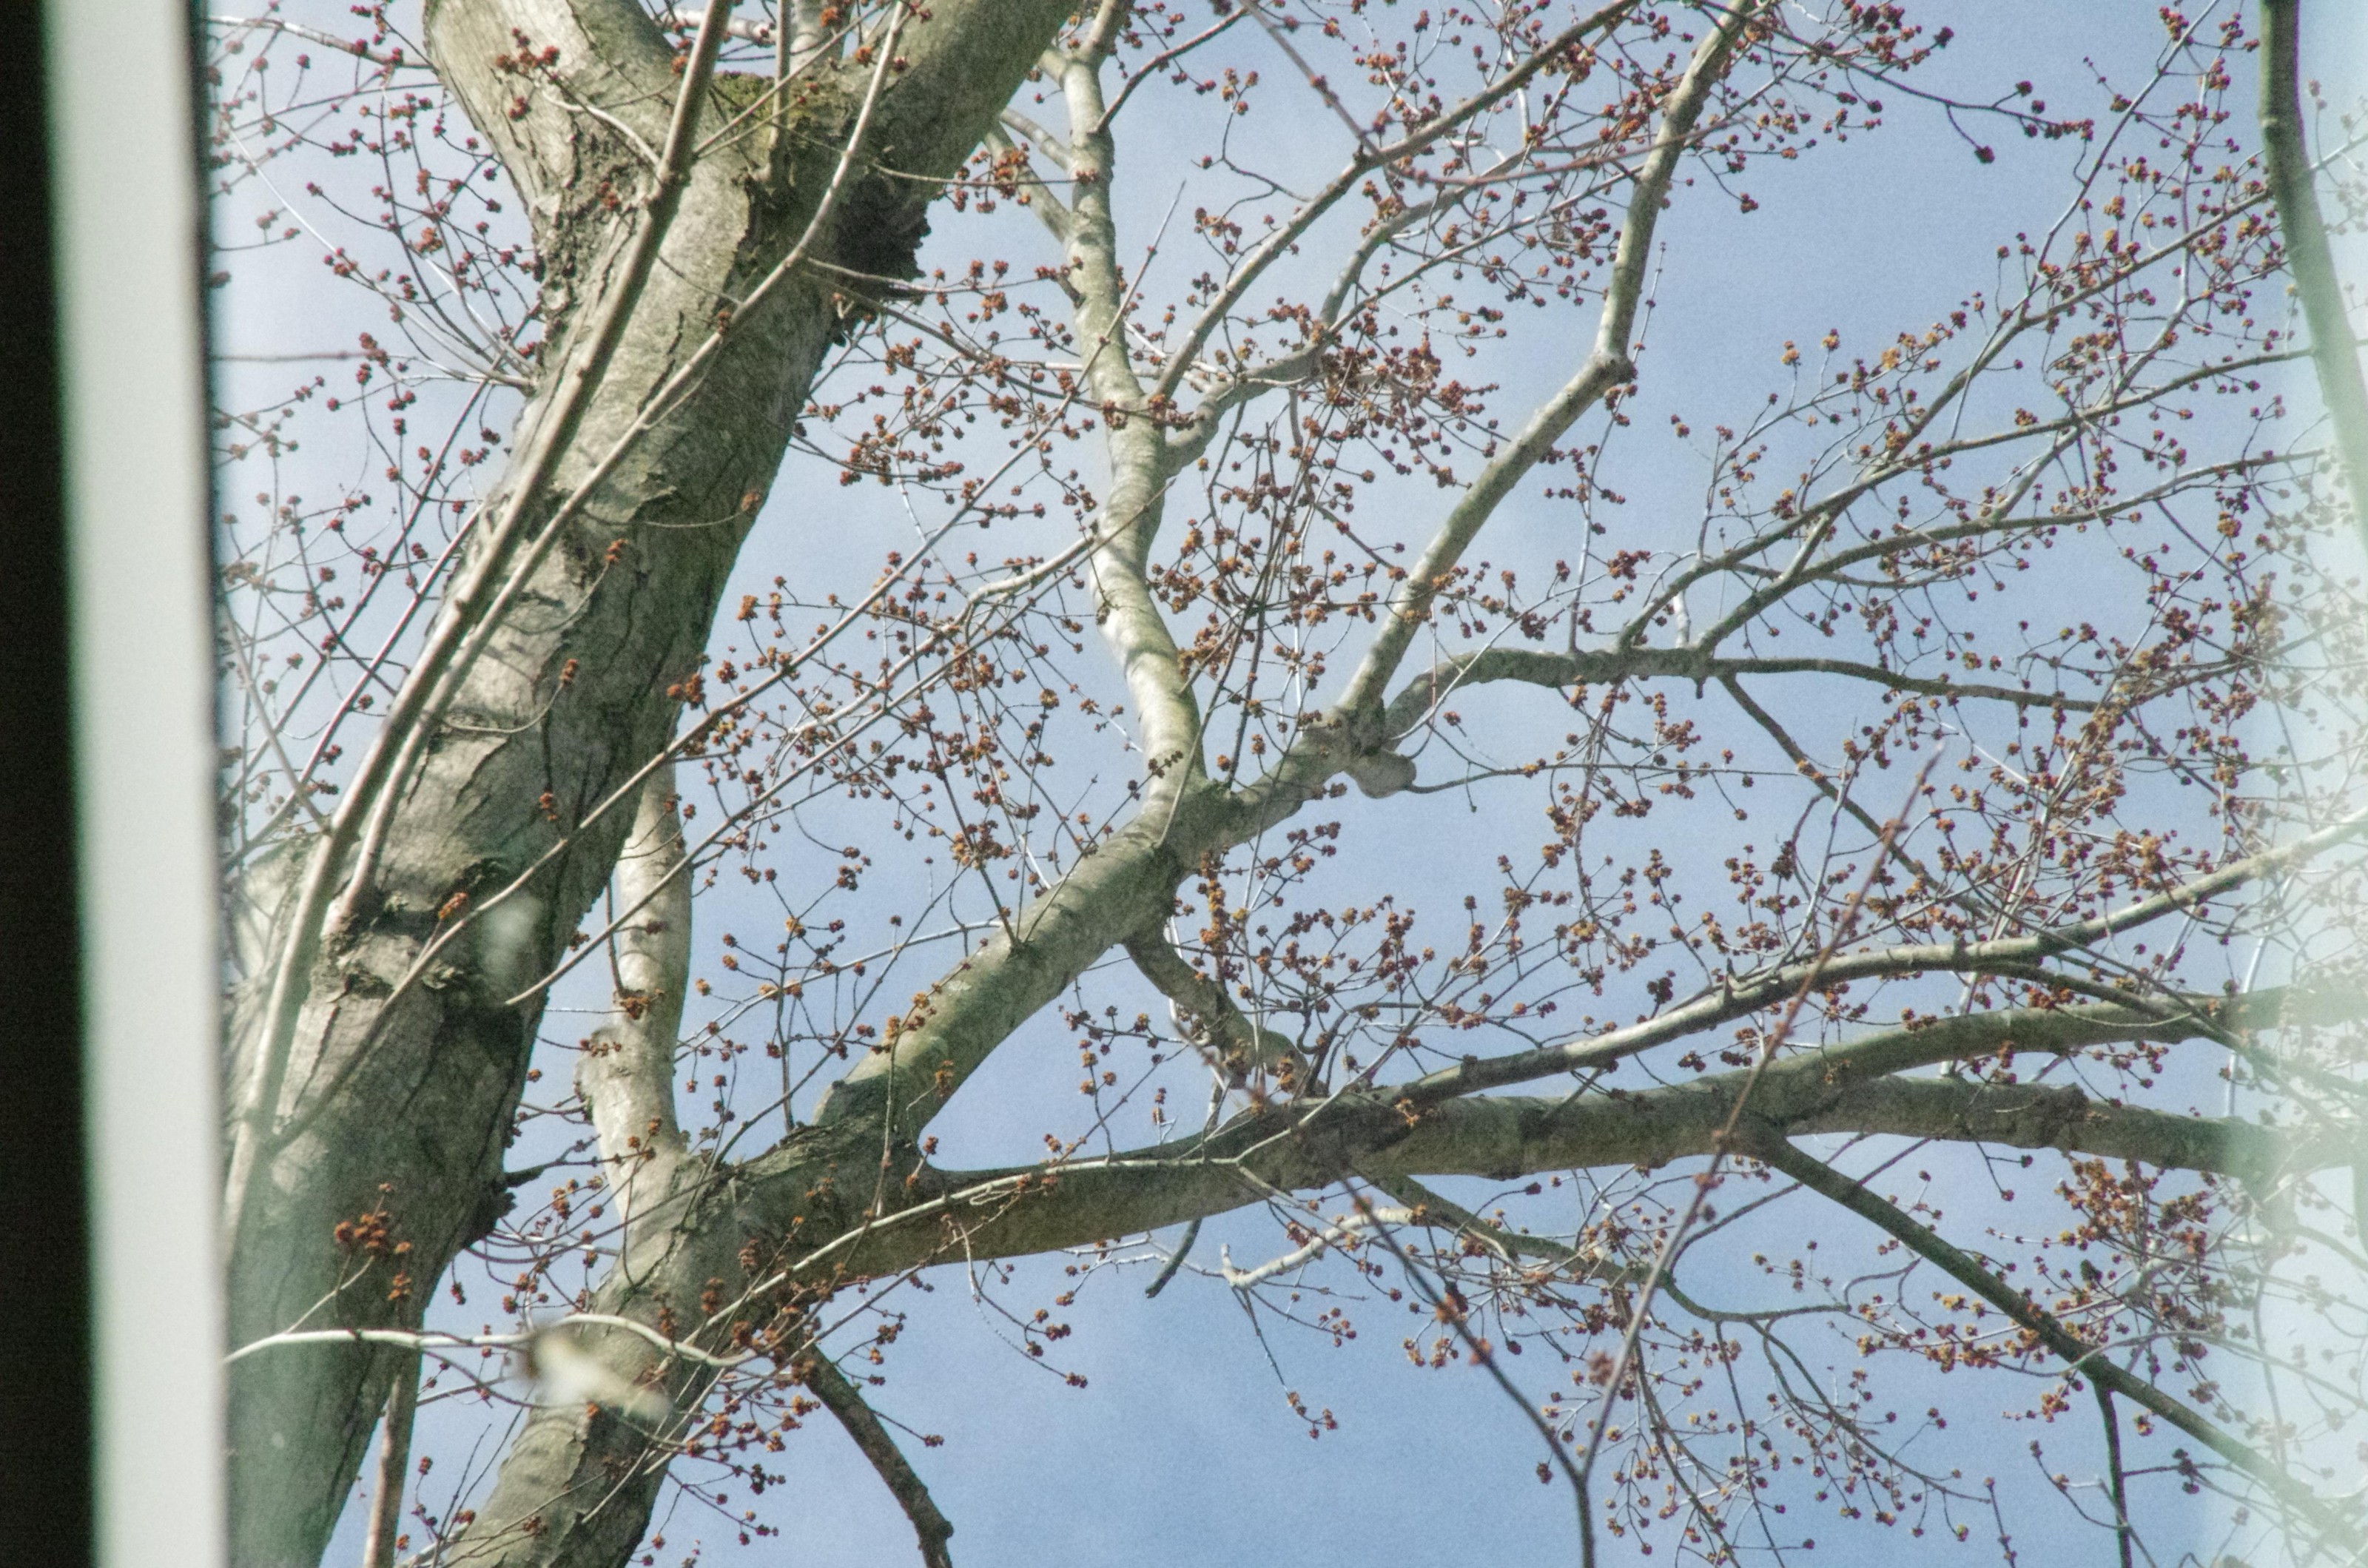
(412, 1079)
(2308, 256)
(626, 1073)
(393, 1466)
(1598, 666)
(1427, 1207)
(1208, 1015)
(1281, 241)
(1607, 366)
(2082, 1358)
(1128, 614)
(366, 812)
(748, 30)
(925, 1056)
(1325, 1238)
(842, 1399)
(808, 1189)
(1023, 1210)
(1741, 995)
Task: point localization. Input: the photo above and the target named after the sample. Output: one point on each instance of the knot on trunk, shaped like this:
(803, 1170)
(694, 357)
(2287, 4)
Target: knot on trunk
(1369, 761)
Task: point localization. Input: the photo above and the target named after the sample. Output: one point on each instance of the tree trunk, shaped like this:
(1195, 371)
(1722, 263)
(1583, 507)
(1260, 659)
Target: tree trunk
(399, 1099)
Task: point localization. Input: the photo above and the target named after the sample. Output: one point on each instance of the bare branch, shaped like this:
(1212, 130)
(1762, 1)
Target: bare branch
(2082, 1358)
(748, 30)
(419, 1089)
(1593, 666)
(626, 1073)
(1286, 235)
(1207, 1013)
(430, 1342)
(1325, 1238)
(473, 630)
(1128, 614)
(1428, 1208)
(843, 1399)
(2308, 256)
(927, 1053)
(1381, 1137)
(393, 1476)
(363, 819)
(1506, 1136)
(1606, 368)
(1745, 995)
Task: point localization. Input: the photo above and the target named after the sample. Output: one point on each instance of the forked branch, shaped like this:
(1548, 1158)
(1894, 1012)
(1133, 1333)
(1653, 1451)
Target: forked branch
(1210, 1018)
(1607, 367)
(1737, 996)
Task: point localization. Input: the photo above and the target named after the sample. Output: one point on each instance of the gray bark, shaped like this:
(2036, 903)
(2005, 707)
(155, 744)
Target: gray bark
(2334, 351)
(400, 1113)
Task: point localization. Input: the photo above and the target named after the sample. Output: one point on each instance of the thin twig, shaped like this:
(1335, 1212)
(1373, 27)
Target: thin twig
(1665, 1261)
(431, 1341)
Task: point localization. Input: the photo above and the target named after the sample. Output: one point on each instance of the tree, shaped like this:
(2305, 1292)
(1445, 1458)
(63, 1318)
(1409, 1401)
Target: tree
(1950, 887)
